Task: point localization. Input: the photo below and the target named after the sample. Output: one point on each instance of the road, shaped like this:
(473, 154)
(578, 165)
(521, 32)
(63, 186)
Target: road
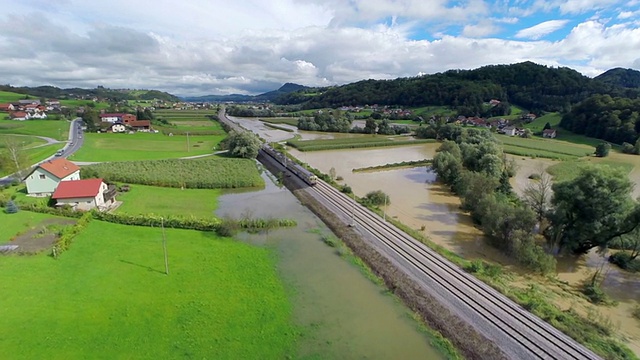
(74, 143)
(517, 332)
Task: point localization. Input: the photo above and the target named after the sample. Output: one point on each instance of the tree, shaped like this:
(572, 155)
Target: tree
(370, 126)
(538, 194)
(591, 210)
(547, 126)
(243, 144)
(447, 167)
(602, 150)
(377, 198)
(11, 207)
(14, 159)
(332, 173)
(528, 134)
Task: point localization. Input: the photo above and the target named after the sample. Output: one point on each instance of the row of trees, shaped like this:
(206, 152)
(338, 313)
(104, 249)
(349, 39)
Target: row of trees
(594, 210)
(473, 164)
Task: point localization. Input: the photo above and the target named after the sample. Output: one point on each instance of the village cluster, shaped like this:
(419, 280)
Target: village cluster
(29, 109)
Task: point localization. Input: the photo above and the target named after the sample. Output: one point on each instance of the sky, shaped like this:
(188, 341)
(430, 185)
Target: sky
(201, 47)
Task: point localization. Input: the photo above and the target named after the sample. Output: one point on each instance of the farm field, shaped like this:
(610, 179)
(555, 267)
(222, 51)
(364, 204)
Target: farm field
(352, 143)
(206, 173)
(293, 121)
(76, 103)
(142, 146)
(547, 148)
(194, 121)
(108, 295)
(143, 199)
(56, 129)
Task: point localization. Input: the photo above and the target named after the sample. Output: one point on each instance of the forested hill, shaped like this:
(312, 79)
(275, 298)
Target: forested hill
(52, 92)
(532, 86)
(627, 78)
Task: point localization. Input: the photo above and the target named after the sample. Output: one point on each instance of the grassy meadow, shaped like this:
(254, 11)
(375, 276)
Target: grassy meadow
(20, 222)
(353, 143)
(568, 170)
(143, 199)
(193, 121)
(108, 297)
(545, 148)
(142, 146)
(56, 129)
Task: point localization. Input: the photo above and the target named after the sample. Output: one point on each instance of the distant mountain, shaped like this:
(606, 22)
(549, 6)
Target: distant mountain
(627, 78)
(52, 92)
(268, 96)
(534, 87)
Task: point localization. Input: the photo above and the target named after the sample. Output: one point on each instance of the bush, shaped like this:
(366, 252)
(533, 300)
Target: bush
(376, 198)
(624, 260)
(11, 207)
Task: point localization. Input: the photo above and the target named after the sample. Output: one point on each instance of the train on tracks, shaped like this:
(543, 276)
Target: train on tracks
(304, 174)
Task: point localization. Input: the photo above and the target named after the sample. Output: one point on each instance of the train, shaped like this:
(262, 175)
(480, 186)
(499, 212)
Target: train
(304, 174)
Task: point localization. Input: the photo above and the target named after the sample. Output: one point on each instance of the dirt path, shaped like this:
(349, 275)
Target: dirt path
(40, 237)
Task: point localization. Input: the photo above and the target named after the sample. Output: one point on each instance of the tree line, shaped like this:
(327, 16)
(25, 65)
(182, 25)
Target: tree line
(594, 210)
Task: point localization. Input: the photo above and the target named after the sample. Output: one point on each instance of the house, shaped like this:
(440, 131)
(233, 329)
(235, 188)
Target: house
(29, 101)
(509, 130)
(44, 179)
(85, 194)
(117, 128)
(140, 125)
(19, 115)
(38, 115)
(119, 117)
(7, 107)
(549, 133)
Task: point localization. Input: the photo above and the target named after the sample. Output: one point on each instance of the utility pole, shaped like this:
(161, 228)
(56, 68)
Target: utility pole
(384, 210)
(164, 247)
(353, 211)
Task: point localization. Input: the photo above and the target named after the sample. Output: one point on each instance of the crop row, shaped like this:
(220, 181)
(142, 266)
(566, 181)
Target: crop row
(209, 173)
(316, 145)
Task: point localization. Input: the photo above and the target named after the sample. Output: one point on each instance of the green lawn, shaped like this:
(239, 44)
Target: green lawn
(108, 297)
(143, 199)
(14, 224)
(143, 146)
(56, 129)
(89, 103)
(25, 141)
(567, 170)
(293, 121)
(537, 125)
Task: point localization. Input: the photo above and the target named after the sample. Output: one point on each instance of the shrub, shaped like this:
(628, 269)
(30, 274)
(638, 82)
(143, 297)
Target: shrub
(624, 260)
(11, 207)
(376, 198)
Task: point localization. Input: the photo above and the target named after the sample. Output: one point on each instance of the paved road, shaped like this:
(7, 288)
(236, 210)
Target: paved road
(74, 143)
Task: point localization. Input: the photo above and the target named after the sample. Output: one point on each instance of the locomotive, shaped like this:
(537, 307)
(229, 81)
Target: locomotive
(295, 168)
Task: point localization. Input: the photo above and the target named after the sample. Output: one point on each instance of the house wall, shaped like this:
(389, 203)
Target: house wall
(110, 119)
(78, 203)
(36, 186)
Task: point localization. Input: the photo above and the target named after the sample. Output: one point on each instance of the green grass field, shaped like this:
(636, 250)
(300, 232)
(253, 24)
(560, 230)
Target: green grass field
(36, 155)
(108, 297)
(143, 146)
(143, 199)
(547, 148)
(567, 170)
(356, 142)
(8, 96)
(25, 141)
(76, 103)
(293, 121)
(13, 224)
(537, 125)
(56, 129)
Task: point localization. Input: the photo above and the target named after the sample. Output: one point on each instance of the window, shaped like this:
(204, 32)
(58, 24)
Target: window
(42, 176)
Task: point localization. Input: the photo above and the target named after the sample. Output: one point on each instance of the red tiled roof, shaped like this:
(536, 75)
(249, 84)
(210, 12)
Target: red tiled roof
(60, 167)
(112, 115)
(18, 114)
(77, 189)
(137, 123)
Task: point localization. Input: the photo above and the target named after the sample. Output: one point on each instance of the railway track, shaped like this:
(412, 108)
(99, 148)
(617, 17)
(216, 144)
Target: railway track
(519, 333)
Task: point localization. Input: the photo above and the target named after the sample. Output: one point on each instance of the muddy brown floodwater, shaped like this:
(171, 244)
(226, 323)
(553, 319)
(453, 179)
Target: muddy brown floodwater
(342, 314)
(418, 201)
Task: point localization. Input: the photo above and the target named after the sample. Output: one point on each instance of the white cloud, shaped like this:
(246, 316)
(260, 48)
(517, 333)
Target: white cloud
(628, 14)
(545, 28)
(482, 29)
(198, 47)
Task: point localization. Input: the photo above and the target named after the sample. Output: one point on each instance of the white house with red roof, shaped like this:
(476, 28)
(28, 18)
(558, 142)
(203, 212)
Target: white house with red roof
(44, 179)
(84, 194)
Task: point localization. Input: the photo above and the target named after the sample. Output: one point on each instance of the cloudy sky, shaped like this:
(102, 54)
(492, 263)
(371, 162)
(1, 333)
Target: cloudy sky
(198, 47)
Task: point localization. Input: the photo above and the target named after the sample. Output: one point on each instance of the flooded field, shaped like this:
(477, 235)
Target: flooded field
(419, 201)
(343, 314)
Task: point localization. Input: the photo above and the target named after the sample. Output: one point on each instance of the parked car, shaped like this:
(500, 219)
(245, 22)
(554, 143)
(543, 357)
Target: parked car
(59, 152)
